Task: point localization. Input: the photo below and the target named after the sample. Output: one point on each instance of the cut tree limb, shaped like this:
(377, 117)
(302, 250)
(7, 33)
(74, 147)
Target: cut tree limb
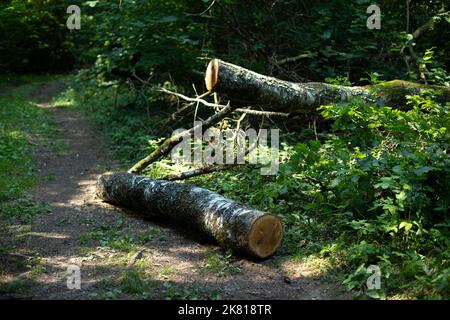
(209, 168)
(171, 142)
(244, 86)
(221, 106)
(199, 171)
(232, 224)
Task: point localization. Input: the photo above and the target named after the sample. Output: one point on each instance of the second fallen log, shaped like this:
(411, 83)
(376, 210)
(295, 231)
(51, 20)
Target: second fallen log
(247, 87)
(232, 224)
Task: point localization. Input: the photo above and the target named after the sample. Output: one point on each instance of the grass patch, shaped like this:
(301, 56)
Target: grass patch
(135, 283)
(21, 122)
(23, 126)
(167, 271)
(220, 264)
(113, 236)
(16, 286)
(22, 210)
(174, 292)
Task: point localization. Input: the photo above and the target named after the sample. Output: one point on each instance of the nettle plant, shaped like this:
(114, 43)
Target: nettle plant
(381, 179)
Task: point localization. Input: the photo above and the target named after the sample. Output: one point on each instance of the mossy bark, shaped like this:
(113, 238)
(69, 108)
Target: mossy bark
(243, 86)
(230, 223)
(393, 93)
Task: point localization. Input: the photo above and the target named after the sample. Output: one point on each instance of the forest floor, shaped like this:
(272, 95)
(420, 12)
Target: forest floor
(122, 255)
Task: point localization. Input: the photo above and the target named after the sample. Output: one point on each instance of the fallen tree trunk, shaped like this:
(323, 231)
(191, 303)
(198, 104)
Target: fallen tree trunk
(232, 224)
(247, 87)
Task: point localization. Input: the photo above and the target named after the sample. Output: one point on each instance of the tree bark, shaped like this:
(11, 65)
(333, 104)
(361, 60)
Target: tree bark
(232, 224)
(247, 87)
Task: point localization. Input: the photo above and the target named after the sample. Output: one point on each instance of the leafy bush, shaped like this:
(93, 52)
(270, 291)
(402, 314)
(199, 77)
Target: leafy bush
(380, 182)
(19, 119)
(34, 36)
(146, 37)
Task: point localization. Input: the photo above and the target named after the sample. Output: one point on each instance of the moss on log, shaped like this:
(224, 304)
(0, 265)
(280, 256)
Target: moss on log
(393, 93)
(232, 224)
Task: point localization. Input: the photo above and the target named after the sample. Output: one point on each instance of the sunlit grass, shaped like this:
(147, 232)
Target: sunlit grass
(23, 127)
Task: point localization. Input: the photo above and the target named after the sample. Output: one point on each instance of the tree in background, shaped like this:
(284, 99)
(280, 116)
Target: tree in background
(34, 36)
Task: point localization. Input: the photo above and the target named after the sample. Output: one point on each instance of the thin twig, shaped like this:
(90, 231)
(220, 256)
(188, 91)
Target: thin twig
(221, 106)
(296, 58)
(204, 11)
(182, 109)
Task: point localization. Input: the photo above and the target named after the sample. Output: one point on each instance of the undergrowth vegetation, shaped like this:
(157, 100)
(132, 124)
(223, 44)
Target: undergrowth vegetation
(23, 129)
(22, 126)
(359, 185)
(370, 189)
(379, 182)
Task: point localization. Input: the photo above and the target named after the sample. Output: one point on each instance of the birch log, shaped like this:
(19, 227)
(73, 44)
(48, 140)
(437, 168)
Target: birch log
(232, 224)
(247, 87)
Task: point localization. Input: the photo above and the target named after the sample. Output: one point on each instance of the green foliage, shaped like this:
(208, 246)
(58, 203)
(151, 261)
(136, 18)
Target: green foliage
(333, 37)
(174, 293)
(171, 39)
(220, 264)
(22, 210)
(16, 286)
(339, 80)
(138, 283)
(135, 282)
(34, 36)
(149, 37)
(15, 151)
(371, 190)
(14, 147)
(431, 69)
(380, 182)
(112, 236)
(20, 119)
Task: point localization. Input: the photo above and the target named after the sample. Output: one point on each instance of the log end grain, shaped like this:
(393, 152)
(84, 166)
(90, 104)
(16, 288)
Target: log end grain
(212, 74)
(265, 236)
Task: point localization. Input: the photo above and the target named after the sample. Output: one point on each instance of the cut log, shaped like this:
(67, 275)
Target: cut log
(250, 88)
(232, 224)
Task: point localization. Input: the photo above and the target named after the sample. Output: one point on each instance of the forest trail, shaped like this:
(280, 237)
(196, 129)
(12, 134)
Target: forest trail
(124, 255)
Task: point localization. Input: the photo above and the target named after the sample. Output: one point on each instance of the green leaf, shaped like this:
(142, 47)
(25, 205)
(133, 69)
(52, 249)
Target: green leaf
(421, 171)
(401, 196)
(91, 4)
(405, 225)
(373, 294)
(168, 19)
(386, 182)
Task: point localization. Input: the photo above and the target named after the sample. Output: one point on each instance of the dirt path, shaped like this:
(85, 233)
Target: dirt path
(122, 255)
